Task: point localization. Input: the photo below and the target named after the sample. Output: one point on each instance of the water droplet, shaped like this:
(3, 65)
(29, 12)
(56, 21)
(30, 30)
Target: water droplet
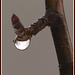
(22, 45)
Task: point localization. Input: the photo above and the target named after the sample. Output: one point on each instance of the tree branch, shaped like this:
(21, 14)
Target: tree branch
(61, 38)
(26, 33)
(55, 19)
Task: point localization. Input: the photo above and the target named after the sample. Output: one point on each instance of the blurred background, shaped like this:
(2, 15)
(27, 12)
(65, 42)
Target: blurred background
(40, 58)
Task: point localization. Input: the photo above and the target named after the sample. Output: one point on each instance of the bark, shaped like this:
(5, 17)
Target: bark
(55, 19)
(61, 38)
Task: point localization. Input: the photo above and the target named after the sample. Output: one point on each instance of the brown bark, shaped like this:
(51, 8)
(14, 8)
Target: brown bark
(55, 19)
(61, 38)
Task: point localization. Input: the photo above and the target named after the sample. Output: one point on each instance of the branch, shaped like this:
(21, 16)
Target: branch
(26, 33)
(55, 19)
(61, 39)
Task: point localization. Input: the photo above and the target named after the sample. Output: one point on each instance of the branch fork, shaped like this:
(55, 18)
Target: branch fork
(57, 23)
(50, 18)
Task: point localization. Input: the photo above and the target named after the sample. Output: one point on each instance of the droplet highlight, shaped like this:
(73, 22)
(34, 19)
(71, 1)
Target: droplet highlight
(22, 45)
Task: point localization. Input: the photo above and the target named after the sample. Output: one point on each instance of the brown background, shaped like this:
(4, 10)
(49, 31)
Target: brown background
(40, 58)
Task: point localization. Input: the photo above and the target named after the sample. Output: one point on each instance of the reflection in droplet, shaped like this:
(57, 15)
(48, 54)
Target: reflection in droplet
(22, 45)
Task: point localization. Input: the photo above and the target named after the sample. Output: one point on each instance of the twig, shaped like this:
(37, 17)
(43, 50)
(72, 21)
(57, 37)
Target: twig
(50, 17)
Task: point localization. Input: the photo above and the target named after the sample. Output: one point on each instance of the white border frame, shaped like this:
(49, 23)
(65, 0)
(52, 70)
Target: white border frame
(73, 37)
(1, 37)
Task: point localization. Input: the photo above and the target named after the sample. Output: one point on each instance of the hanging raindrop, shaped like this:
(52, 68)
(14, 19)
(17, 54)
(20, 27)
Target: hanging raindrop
(22, 45)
